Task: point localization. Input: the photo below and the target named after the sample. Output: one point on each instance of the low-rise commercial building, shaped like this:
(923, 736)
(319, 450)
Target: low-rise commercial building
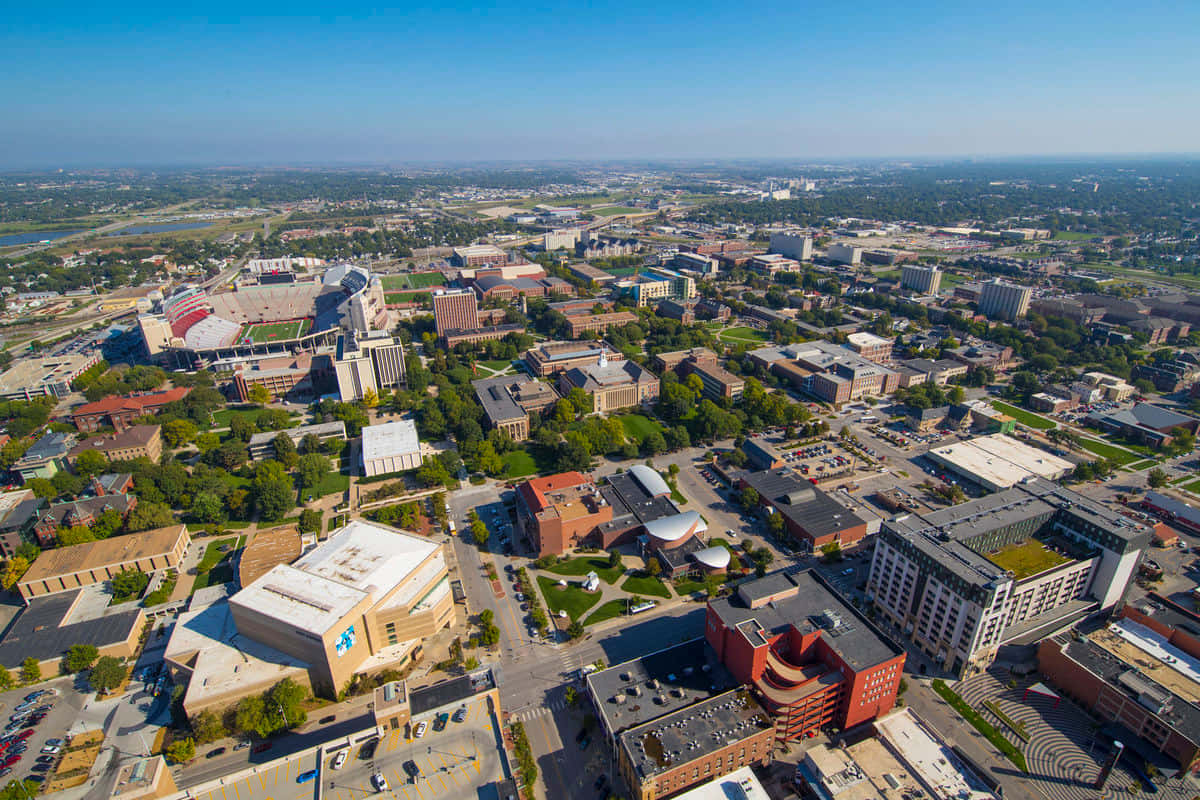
(362, 600)
(811, 517)
(772, 263)
(79, 565)
(509, 401)
(1149, 424)
(1009, 567)
(998, 461)
(389, 447)
(120, 412)
(262, 445)
(28, 378)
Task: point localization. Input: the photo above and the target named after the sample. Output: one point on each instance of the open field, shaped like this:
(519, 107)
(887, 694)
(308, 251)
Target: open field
(742, 335)
(518, 464)
(1073, 236)
(1024, 417)
(260, 332)
(1117, 455)
(646, 585)
(1027, 558)
(333, 483)
(416, 280)
(612, 211)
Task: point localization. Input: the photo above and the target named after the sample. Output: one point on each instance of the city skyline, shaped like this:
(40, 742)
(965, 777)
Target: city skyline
(521, 83)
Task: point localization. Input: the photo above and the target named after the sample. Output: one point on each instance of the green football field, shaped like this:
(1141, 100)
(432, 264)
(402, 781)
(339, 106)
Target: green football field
(259, 332)
(417, 280)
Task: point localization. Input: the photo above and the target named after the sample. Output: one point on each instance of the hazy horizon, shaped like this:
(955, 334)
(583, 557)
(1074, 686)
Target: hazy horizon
(677, 81)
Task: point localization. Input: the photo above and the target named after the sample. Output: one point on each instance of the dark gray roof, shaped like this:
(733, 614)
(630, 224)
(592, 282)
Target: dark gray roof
(682, 675)
(20, 514)
(496, 399)
(450, 691)
(38, 630)
(1149, 416)
(52, 445)
(806, 598)
(805, 505)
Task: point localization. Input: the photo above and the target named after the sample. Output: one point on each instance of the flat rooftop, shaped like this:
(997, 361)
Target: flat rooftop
(267, 549)
(856, 772)
(741, 784)
(49, 625)
(693, 732)
(1000, 460)
(804, 601)
(389, 439)
(930, 758)
(681, 675)
(222, 661)
(1143, 648)
(455, 690)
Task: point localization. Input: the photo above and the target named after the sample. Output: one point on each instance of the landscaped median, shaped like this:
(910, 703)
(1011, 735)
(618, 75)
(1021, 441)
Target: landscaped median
(982, 725)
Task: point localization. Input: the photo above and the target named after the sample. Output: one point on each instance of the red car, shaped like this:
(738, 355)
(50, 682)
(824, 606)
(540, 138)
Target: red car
(25, 734)
(8, 762)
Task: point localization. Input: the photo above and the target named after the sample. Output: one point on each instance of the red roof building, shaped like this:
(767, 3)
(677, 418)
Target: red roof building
(557, 512)
(120, 412)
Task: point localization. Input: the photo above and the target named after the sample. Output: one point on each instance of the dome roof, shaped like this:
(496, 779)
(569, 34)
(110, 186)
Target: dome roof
(650, 480)
(713, 557)
(672, 529)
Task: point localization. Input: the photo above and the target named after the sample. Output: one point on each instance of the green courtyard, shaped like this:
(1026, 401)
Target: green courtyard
(571, 598)
(1027, 558)
(580, 566)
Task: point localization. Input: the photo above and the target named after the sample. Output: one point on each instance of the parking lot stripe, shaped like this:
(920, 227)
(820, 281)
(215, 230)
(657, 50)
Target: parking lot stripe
(446, 768)
(417, 789)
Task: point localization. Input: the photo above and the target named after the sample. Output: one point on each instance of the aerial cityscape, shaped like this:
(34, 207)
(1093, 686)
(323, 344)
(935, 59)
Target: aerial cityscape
(383, 413)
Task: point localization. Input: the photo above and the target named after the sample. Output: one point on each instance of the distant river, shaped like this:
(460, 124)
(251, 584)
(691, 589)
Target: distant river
(164, 228)
(32, 238)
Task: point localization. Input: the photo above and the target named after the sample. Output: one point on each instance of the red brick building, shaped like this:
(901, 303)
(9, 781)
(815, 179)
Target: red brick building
(810, 516)
(558, 511)
(811, 659)
(120, 412)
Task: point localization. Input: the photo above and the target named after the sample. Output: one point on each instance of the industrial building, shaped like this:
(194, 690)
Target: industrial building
(389, 447)
(368, 363)
(998, 461)
(809, 657)
(1007, 568)
(362, 600)
(510, 400)
(1000, 300)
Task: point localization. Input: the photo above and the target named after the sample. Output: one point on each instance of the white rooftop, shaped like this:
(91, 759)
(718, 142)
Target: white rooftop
(865, 339)
(737, 785)
(389, 439)
(1000, 460)
(927, 755)
(1156, 645)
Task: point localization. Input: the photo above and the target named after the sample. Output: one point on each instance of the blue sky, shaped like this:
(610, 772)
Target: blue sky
(144, 83)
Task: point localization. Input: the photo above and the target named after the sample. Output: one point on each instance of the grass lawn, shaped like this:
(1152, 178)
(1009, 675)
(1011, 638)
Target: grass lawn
(519, 463)
(687, 586)
(274, 331)
(1117, 455)
(646, 585)
(638, 427)
(572, 599)
(498, 366)
(221, 418)
(581, 565)
(1193, 487)
(1024, 417)
(742, 334)
(1074, 236)
(610, 610)
(1025, 559)
(334, 482)
(216, 567)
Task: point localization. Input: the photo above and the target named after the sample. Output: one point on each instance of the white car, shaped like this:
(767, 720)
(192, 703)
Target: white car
(380, 783)
(421, 728)
(51, 749)
(340, 759)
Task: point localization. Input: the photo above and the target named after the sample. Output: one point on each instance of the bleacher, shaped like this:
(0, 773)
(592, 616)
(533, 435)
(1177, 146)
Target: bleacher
(266, 303)
(212, 332)
(181, 326)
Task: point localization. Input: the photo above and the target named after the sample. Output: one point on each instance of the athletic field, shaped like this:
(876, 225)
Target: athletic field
(415, 280)
(259, 332)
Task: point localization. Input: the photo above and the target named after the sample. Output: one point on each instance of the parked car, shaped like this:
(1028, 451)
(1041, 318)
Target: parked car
(412, 770)
(339, 759)
(380, 783)
(439, 722)
(306, 776)
(460, 714)
(215, 752)
(422, 726)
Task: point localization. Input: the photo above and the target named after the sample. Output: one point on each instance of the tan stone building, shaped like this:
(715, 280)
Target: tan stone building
(364, 599)
(510, 400)
(137, 441)
(612, 385)
(95, 562)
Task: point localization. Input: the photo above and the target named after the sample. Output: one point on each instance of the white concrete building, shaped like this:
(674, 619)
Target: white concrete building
(1004, 301)
(845, 254)
(793, 244)
(926, 280)
(390, 447)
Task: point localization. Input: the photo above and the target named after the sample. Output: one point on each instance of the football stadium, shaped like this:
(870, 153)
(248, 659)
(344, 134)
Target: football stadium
(195, 326)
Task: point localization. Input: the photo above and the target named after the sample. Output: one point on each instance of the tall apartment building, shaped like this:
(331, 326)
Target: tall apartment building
(844, 254)
(793, 245)
(1004, 301)
(455, 310)
(1024, 562)
(926, 280)
(375, 362)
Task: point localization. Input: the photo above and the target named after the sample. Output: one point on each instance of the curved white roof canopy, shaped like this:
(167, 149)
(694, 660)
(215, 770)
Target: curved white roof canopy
(713, 557)
(650, 480)
(672, 529)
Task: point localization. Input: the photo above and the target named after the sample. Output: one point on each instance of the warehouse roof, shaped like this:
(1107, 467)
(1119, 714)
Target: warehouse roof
(389, 439)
